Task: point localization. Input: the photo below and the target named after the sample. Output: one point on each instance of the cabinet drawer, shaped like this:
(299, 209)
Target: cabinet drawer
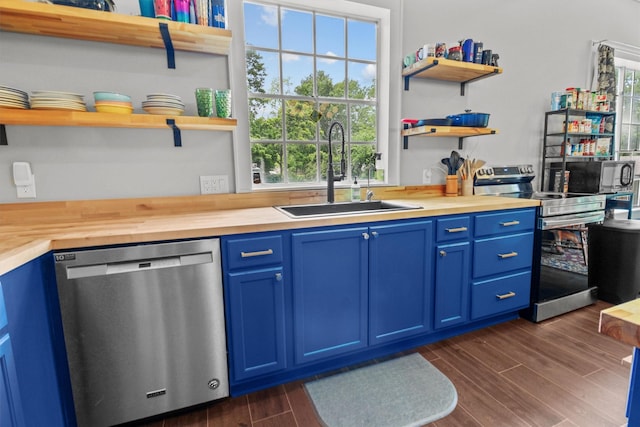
(254, 251)
(504, 222)
(501, 254)
(500, 295)
(455, 228)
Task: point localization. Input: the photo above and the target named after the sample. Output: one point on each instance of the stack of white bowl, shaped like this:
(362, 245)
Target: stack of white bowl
(163, 103)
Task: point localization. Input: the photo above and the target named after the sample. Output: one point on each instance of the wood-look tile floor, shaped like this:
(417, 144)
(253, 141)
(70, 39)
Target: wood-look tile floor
(559, 373)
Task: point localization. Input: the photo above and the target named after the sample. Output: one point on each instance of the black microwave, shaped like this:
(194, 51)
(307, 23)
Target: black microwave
(601, 177)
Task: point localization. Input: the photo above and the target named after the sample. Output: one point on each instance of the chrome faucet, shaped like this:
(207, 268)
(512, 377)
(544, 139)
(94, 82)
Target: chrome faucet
(331, 177)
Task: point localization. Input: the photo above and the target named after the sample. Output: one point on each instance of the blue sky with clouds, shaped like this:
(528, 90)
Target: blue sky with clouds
(261, 31)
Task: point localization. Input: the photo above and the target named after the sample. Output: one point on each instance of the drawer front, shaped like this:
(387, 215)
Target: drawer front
(502, 254)
(500, 295)
(254, 251)
(516, 221)
(455, 228)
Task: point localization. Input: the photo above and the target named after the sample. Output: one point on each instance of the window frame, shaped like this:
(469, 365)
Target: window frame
(621, 66)
(346, 9)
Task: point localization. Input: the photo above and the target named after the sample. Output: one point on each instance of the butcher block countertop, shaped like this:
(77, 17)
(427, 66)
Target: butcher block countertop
(28, 230)
(622, 322)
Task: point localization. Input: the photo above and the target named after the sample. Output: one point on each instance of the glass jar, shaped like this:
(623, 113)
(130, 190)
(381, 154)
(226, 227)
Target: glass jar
(455, 53)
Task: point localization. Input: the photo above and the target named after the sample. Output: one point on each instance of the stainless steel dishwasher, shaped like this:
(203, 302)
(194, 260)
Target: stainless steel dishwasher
(143, 328)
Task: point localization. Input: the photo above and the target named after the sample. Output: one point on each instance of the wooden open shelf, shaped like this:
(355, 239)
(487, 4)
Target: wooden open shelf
(448, 70)
(10, 116)
(18, 117)
(86, 24)
(460, 132)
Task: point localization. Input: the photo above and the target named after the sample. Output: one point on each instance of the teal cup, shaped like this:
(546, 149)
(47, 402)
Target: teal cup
(147, 9)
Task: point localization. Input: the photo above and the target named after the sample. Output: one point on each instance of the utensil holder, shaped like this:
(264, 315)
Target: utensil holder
(467, 187)
(451, 186)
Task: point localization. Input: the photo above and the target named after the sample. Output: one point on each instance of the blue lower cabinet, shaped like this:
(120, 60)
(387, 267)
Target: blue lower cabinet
(330, 298)
(257, 322)
(36, 341)
(400, 275)
(10, 403)
(452, 284)
(356, 292)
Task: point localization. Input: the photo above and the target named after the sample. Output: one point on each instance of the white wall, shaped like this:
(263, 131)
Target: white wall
(94, 163)
(543, 47)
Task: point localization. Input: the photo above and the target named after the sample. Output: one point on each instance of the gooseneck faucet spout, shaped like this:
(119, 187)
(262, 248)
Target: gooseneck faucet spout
(331, 177)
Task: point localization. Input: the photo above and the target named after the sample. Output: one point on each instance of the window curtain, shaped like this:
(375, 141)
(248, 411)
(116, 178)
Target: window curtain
(606, 74)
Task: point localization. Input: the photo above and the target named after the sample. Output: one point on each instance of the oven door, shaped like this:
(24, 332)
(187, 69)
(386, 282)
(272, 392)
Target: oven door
(560, 265)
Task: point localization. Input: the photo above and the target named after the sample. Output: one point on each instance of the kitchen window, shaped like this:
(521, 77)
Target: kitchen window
(628, 116)
(628, 78)
(305, 68)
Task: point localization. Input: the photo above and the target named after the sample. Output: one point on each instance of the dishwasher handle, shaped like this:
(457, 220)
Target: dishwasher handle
(81, 271)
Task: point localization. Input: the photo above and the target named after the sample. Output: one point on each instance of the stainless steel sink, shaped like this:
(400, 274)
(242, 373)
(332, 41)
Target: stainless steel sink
(332, 209)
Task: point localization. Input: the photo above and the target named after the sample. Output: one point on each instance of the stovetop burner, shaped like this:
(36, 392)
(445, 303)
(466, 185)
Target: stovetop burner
(515, 181)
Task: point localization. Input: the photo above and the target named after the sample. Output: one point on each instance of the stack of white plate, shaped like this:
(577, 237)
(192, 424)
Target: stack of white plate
(13, 98)
(52, 100)
(163, 103)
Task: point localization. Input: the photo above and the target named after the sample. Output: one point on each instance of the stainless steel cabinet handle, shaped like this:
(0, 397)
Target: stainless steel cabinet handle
(509, 255)
(278, 277)
(507, 295)
(509, 223)
(366, 236)
(456, 230)
(256, 253)
(443, 253)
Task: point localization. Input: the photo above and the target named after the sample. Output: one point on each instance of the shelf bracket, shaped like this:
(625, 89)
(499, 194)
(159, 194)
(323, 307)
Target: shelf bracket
(405, 138)
(408, 76)
(168, 45)
(460, 139)
(177, 137)
(484, 76)
(3, 135)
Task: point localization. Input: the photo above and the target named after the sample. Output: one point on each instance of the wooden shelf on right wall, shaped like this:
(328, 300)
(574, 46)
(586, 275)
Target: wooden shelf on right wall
(460, 132)
(448, 70)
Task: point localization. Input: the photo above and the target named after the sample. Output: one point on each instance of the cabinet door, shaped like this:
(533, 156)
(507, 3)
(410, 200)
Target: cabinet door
(400, 275)
(452, 284)
(329, 292)
(36, 340)
(257, 322)
(10, 406)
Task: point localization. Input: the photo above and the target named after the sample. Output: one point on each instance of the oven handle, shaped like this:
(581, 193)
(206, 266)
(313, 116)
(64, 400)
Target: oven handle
(574, 219)
(626, 175)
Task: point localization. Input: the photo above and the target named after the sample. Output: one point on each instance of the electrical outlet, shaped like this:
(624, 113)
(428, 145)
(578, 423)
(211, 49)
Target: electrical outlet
(27, 191)
(220, 183)
(212, 184)
(426, 176)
